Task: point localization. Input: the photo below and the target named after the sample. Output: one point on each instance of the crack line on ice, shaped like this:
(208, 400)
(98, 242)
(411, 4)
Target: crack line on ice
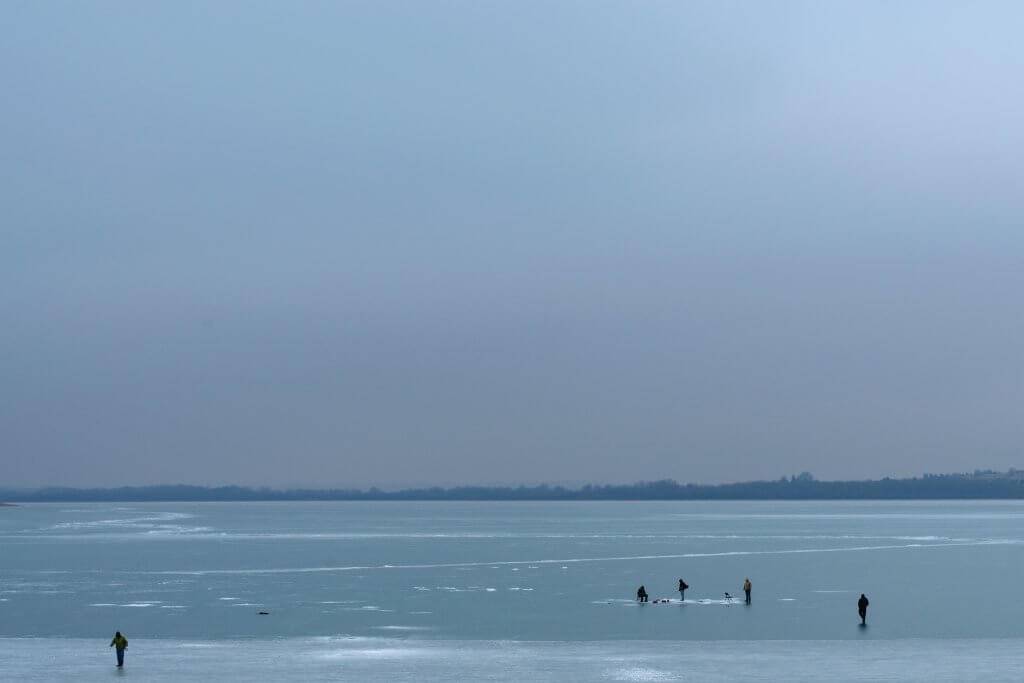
(577, 560)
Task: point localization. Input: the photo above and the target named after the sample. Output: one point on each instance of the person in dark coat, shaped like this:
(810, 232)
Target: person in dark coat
(862, 609)
(682, 589)
(641, 594)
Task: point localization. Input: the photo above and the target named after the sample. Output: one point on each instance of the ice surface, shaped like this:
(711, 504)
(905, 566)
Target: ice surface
(393, 659)
(504, 572)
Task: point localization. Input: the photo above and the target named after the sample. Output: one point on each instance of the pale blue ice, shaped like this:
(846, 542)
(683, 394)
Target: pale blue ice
(412, 591)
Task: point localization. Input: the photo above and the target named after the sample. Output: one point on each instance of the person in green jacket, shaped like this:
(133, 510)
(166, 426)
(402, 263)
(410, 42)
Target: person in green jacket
(119, 643)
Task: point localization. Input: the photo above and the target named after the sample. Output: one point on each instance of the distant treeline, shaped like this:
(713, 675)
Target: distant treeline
(990, 485)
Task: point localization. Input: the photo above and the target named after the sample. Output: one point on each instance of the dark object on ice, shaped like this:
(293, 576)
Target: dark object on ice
(264, 612)
(641, 594)
(682, 589)
(862, 609)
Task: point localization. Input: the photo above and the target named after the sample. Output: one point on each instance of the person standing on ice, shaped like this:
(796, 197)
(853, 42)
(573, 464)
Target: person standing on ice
(120, 644)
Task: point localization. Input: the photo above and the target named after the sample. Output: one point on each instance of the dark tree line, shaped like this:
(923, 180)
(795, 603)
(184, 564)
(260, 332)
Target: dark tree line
(982, 485)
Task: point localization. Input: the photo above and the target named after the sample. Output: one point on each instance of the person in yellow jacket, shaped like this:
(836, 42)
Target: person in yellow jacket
(120, 644)
(747, 586)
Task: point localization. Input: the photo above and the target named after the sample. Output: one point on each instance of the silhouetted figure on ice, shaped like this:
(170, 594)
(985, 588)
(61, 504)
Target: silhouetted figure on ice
(747, 586)
(120, 644)
(641, 594)
(862, 609)
(682, 590)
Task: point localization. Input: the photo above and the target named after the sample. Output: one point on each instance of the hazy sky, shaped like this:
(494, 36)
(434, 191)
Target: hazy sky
(441, 242)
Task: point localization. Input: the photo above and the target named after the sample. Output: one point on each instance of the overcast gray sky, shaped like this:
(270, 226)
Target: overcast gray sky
(441, 242)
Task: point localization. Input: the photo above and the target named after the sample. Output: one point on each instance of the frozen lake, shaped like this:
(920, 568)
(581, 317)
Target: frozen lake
(361, 659)
(399, 591)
